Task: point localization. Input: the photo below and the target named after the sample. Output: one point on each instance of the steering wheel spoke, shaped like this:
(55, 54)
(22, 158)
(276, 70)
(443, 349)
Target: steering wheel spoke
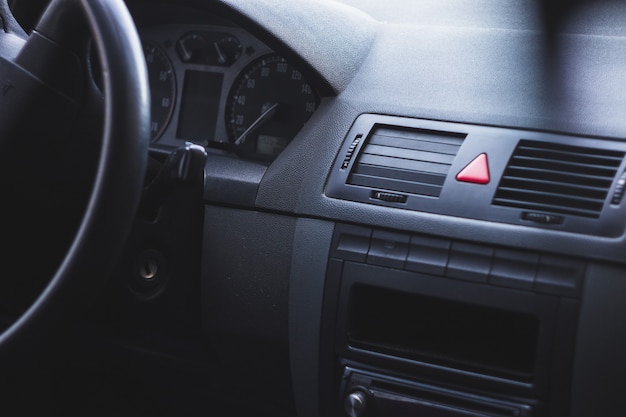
(41, 77)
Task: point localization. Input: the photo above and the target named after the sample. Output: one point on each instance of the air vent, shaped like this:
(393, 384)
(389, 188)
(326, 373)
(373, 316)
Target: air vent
(404, 160)
(558, 178)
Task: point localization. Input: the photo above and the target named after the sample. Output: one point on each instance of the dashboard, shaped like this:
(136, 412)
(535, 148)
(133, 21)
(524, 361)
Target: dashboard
(436, 230)
(221, 87)
(416, 211)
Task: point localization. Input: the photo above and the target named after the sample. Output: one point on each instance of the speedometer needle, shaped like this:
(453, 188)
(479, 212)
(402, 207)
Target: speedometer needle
(265, 117)
(221, 58)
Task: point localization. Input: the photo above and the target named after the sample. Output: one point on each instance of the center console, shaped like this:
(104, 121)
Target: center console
(417, 325)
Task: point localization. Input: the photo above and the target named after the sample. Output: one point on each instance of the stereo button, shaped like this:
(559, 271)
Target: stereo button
(388, 249)
(559, 276)
(428, 255)
(351, 243)
(514, 269)
(469, 262)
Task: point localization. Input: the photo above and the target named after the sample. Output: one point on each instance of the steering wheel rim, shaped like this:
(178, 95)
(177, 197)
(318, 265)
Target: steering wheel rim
(116, 192)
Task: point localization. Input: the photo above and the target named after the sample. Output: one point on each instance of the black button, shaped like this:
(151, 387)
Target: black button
(388, 249)
(469, 262)
(351, 242)
(428, 255)
(514, 269)
(560, 276)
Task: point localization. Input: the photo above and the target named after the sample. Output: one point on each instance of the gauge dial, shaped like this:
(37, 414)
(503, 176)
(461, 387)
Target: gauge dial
(162, 89)
(192, 48)
(209, 48)
(228, 50)
(269, 103)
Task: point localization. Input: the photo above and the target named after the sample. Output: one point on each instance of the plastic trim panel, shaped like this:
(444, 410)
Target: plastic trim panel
(474, 201)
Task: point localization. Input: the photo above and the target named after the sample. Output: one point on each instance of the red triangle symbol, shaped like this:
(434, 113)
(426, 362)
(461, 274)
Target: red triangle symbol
(476, 172)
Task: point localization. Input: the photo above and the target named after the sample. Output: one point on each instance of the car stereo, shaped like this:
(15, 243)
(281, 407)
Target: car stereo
(445, 328)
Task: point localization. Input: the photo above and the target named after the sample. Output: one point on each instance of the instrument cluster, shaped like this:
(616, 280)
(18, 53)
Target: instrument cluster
(221, 87)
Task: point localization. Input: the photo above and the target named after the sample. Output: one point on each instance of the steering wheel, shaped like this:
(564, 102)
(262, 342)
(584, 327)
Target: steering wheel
(42, 90)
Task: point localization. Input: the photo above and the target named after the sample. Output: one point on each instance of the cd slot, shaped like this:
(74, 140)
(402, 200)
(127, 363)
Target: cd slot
(379, 395)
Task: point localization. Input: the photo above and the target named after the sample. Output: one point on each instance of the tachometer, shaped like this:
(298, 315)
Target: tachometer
(268, 105)
(162, 89)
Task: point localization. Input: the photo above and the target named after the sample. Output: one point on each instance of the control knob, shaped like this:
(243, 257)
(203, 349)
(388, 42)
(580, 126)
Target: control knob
(355, 404)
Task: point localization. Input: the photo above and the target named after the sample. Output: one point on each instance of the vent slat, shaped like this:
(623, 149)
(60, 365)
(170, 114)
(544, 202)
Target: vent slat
(545, 207)
(419, 156)
(389, 162)
(562, 166)
(400, 174)
(600, 160)
(396, 185)
(571, 177)
(558, 178)
(413, 144)
(567, 149)
(423, 135)
(551, 198)
(551, 186)
(411, 161)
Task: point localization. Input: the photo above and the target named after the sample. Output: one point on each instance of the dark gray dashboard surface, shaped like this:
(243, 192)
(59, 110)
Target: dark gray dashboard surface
(585, 16)
(482, 76)
(492, 67)
(506, 14)
(330, 36)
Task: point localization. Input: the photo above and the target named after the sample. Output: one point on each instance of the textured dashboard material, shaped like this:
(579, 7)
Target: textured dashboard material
(484, 77)
(340, 35)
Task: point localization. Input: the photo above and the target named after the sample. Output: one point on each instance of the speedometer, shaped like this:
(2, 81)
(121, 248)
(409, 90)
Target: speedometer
(268, 105)
(162, 89)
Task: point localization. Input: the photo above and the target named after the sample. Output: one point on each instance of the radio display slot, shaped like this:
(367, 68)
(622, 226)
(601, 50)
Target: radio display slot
(446, 332)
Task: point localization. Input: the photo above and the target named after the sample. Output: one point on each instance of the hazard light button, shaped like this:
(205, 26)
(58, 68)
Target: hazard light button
(476, 172)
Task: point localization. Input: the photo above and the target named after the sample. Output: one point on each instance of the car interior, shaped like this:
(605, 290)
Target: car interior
(312, 208)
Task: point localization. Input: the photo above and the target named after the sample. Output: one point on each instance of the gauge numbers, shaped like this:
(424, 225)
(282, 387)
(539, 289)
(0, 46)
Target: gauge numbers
(162, 89)
(268, 105)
